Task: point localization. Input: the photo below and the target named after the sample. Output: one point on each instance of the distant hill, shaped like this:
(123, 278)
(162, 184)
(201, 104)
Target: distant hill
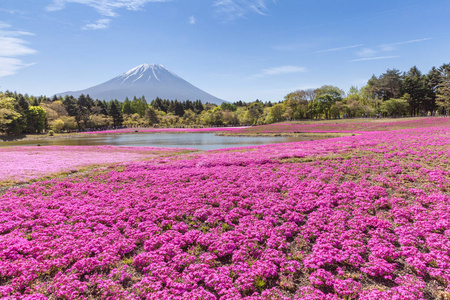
(150, 81)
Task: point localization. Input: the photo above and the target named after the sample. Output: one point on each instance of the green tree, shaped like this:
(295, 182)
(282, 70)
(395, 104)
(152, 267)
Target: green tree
(85, 109)
(178, 109)
(189, 117)
(99, 121)
(70, 103)
(36, 119)
(8, 115)
(356, 103)
(151, 116)
(126, 107)
(19, 125)
(390, 84)
(158, 104)
(415, 84)
(433, 79)
(443, 90)
(275, 113)
(253, 113)
(69, 122)
(198, 106)
(373, 88)
(57, 125)
(141, 107)
(396, 107)
(101, 108)
(296, 103)
(116, 114)
(326, 96)
(230, 117)
(228, 106)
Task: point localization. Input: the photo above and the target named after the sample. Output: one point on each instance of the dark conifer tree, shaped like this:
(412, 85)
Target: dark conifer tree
(115, 113)
(100, 107)
(151, 116)
(71, 105)
(178, 110)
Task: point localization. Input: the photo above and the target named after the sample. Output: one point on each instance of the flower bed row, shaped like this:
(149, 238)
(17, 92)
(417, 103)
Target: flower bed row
(361, 217)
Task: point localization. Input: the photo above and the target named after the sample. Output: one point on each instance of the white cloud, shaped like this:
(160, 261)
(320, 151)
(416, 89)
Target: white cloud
(106, 8)
(11, 46)
(10, 66)
(366, 52)
(374, 58)
(280, 71)
(338, 49)
(192, 20)
(233, 9)
(100, 24)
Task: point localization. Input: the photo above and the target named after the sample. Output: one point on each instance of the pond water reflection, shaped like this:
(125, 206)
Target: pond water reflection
(202, 141)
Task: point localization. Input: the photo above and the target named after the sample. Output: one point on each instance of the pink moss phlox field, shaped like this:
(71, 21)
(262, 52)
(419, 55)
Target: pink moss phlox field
(355, 127)
(25, 163)
(319, 127)
(358, 217)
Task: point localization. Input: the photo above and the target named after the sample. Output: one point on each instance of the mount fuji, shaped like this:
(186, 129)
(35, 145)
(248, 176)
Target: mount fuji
(150, 81)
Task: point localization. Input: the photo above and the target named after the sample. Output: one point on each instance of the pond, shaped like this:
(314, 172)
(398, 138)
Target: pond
(202, 141)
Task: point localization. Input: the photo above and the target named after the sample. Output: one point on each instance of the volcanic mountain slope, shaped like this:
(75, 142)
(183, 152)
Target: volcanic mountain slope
(150, 81)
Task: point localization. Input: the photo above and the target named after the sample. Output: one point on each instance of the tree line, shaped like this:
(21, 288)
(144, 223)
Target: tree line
(392, 93)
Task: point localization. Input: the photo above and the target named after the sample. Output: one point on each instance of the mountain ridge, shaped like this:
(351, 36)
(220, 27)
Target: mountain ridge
(149, 80)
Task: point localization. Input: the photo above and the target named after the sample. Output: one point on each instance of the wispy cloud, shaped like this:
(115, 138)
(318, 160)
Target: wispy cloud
(12, 46)
(394, 46)
(192, 20)
(374, 58)
(106, 8)
(279, 71)
(339, 48)
(373, 52)
(376, 52)
(10, 66)
(410, 41)
(233, 9)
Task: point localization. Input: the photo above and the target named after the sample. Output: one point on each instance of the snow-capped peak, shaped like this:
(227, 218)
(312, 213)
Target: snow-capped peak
(140, 69)
(145, 71)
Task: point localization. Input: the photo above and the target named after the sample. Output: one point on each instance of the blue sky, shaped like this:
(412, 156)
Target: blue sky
(233, 49)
